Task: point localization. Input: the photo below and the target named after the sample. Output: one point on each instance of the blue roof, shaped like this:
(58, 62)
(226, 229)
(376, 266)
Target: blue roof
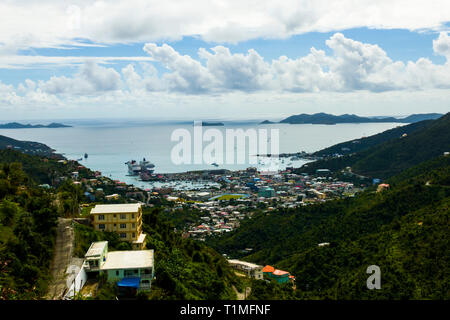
(129, 282)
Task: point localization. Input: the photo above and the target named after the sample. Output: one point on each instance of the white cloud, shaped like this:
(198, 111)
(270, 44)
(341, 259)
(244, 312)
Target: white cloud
(353, 65)
(237, 71)
(90, 79)
(442, 45)
(50, 23)
(14, 61)
(149, 81)
(187, 75)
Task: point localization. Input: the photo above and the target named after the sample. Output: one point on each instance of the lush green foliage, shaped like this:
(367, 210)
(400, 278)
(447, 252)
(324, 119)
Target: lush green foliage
(27, 227)
(404, 230)
(85, 235)
(185, 269)
(271, 290)
(39, 169)
(371, 141)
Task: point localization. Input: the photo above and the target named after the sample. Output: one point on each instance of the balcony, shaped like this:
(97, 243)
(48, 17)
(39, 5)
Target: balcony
(146, 276)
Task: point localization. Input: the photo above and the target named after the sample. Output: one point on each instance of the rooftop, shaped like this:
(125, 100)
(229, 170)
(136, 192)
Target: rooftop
(280, 272)
(96, 249)
(268, 269)
(244, 263)
(140, 239)
(116, 208)
(128, 260)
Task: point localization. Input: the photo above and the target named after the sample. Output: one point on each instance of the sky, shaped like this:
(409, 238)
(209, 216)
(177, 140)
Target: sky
(216, 59)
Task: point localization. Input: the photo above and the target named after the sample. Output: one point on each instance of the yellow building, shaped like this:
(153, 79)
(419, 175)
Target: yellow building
(125, 219)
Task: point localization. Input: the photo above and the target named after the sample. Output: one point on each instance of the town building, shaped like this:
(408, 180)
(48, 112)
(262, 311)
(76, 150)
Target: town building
(125, 219)
(250, 269)
(279, 276)
(95, 257)
(132, 270)
(266, 192)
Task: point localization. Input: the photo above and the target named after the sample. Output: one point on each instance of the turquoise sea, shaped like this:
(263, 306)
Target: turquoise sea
(110, 144)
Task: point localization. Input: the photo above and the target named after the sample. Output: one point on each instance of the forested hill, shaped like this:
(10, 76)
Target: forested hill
(41, 170)
(364, 143)
(28, 147)
(325, 118)
(425, 141)
(404, 230)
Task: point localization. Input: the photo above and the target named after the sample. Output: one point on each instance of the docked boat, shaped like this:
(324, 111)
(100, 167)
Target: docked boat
(85, 155)
(147, 165)
(135, 168)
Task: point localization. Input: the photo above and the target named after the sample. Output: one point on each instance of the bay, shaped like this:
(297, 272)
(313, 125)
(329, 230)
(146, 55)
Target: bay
(110, 144)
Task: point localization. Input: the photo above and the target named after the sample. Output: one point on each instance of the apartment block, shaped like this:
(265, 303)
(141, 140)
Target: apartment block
(125, 219)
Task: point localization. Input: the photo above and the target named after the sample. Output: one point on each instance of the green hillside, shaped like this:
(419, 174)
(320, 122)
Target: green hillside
(403, 230)
(28, 147)
(27, 234)
(357, 145)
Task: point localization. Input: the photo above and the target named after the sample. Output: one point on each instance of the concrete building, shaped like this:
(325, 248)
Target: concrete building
(95, 257)
(250, 269)
(133, 270)
(125, 219)
(279, 276)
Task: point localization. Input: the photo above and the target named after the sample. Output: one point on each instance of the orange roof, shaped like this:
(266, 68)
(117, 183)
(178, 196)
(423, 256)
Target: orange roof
(280, 272)
(268, 269)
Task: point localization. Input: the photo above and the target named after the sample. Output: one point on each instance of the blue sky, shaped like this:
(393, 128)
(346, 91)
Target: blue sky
(90, 59)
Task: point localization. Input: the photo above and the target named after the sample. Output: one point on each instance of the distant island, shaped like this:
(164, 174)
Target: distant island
(325, 118)
(16, 125)
(211, 124)
(267, 122)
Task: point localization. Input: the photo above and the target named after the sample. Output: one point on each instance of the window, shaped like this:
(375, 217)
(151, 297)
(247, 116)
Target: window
(123, 216)
(132, 216)
(101, 226)
(134, 225)
(133, 235)
(117, 272)
(101, 217)
(114, 215)
(123, 225)
(123, 235)
(115, 225)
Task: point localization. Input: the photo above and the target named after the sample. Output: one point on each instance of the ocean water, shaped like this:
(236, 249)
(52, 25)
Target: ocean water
(110, 145)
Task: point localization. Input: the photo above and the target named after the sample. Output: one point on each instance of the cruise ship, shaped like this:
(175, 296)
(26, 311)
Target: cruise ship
(135, 168)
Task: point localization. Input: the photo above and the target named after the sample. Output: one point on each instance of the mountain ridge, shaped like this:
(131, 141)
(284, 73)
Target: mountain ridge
(17, 125)
(325, 118)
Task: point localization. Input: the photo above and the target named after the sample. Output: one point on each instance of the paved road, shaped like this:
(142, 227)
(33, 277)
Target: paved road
(61, 259)
(243, 295)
